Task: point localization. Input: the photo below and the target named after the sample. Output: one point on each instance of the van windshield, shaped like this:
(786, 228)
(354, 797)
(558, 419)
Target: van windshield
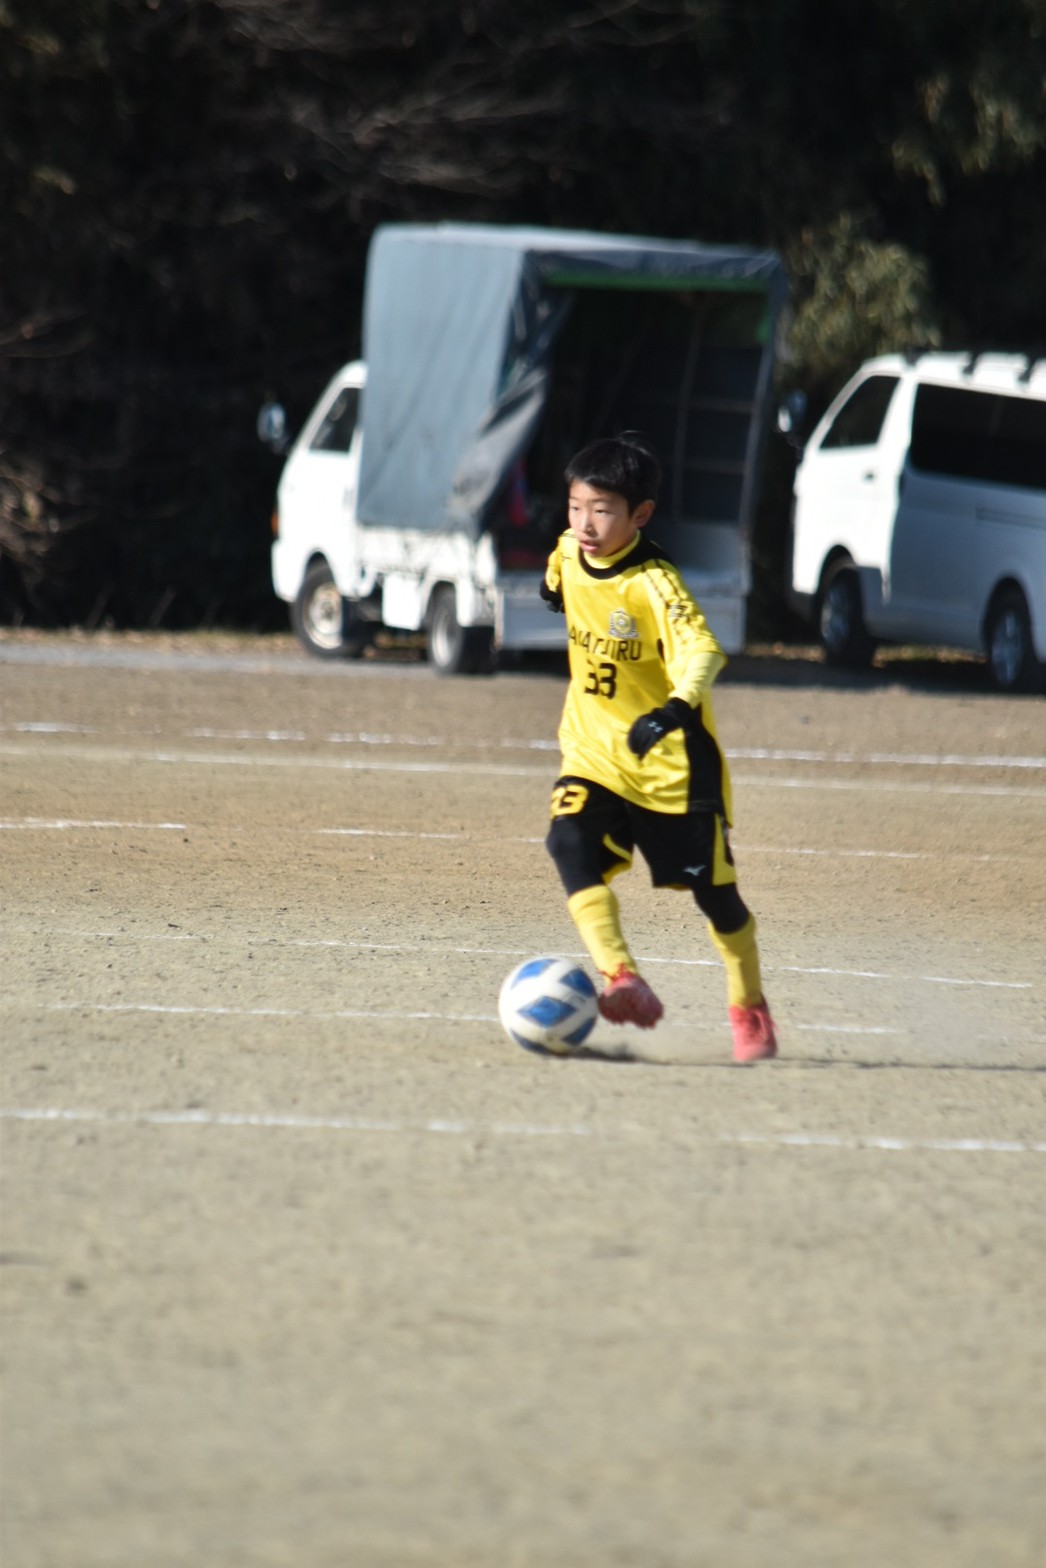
(860, 419)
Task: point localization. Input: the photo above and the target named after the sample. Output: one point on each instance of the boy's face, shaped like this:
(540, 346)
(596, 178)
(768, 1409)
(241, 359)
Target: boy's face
(601, 521)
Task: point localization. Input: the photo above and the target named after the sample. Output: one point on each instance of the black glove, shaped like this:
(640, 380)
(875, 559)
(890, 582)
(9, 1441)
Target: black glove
(651, 727)
(552, 597)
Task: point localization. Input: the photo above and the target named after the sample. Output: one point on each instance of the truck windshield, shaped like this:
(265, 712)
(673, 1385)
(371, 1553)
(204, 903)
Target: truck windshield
(338, 423)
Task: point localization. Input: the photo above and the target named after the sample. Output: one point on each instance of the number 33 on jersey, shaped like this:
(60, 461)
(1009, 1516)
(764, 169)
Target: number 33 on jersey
(635, 637)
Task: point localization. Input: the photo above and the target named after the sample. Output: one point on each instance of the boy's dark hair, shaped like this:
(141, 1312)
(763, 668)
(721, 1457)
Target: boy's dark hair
(623, 464)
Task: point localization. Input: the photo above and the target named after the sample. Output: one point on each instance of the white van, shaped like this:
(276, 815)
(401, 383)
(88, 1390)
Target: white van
(920, 512)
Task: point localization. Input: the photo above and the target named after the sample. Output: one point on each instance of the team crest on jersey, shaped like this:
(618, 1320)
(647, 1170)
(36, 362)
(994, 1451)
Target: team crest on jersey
(622, 624)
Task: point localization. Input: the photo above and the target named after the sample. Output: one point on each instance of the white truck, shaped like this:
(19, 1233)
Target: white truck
(424, 491)
(919, 512)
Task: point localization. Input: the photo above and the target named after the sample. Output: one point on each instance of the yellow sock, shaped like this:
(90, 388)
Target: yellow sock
(595, 913)
(738, 950)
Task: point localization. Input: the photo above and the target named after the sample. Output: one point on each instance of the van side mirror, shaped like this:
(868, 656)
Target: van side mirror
(791, 416)
(272, 427)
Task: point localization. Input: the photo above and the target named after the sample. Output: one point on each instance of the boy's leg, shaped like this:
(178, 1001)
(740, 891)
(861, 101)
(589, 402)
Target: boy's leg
(590, 841)
(750, 1021)
(596, 914)
(693, 851)
(733, 931)
(738, 949)
(626, 998)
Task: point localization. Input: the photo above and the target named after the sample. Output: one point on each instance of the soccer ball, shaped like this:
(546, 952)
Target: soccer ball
(548, 1004)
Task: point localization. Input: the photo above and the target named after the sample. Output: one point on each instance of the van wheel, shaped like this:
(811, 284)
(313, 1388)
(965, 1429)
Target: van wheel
(840, 619)
(1011, 652)
(455, 649)
(324, 623)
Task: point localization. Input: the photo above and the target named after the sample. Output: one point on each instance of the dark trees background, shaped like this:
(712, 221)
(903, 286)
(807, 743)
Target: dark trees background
(189, 187)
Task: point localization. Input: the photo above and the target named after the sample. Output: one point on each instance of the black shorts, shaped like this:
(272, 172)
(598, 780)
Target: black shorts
(595, 832)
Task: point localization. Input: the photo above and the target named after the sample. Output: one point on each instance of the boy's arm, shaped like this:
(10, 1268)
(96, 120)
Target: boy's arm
(693, 659)
(551, 589)
(695, 681)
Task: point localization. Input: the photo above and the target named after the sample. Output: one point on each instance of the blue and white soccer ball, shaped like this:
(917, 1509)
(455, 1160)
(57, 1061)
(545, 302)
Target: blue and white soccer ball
(548, 1004)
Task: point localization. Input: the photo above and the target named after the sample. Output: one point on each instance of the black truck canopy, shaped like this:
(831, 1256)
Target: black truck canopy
(471, 332)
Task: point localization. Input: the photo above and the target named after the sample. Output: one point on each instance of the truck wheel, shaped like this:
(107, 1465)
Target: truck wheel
(1011, 652)
(455, 649)
(324, 622)
(840, 620)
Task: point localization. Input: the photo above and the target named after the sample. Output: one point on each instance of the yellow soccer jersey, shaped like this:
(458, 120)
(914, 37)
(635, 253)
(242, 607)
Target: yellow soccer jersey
(636, 637)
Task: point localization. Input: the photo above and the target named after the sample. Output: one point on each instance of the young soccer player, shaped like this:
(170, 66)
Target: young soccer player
(641, 762)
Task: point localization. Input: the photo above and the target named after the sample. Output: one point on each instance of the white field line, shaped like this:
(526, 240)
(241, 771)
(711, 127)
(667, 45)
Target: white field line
(130, 755)
(739, 844)
(267, 1012)
(891, 786)
(919, 759)
(125, 755)
(274, 1121)
(497, 838)
(737, 753)
(804, 1140)
(379, 1015)
(71, 824)
(277, 736)
(871, 854)
(446, 949)
(49, 727)
(376, 1015)
(74, 824)
(890, 759)
(843, 1029)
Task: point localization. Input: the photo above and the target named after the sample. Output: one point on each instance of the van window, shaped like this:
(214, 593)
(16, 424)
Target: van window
(335, 432)
(1020, 443)
(979, 435)
(860, 419)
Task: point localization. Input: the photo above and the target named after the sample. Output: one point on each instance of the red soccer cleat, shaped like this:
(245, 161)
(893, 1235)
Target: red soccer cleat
(754, 1037)
(627, 999)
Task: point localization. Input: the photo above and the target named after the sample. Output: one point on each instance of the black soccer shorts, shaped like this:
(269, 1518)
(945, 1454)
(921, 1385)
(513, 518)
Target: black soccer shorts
(594, 834)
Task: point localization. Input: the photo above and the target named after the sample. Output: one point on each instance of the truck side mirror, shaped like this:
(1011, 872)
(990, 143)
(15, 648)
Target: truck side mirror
(272, 427)
(791, 416)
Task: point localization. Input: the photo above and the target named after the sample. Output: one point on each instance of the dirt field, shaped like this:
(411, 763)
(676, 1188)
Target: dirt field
(305, 1265)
